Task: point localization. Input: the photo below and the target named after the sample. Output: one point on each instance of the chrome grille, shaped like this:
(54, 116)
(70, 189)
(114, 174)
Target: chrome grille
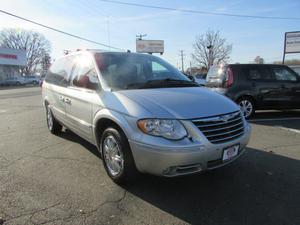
(222, 128)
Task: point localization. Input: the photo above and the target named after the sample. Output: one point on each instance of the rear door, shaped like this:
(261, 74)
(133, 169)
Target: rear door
(264, 86)
(57, 80)
(79, 96)
(288, 82)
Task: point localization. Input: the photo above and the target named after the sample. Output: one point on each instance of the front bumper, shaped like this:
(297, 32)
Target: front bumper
(179, 159)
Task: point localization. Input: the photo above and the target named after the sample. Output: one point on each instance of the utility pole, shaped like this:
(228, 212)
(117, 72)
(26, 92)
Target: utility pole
(210, 53)
(182, 64)
(140, 36)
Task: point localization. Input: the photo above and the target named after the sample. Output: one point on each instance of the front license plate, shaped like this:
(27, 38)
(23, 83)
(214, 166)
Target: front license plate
(230, 152)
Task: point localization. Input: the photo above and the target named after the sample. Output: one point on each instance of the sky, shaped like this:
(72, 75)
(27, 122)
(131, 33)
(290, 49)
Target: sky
(118, 25)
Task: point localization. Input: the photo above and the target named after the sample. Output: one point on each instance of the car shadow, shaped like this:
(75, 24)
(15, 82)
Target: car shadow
(287, 119)
(71, 136)
(259, 188)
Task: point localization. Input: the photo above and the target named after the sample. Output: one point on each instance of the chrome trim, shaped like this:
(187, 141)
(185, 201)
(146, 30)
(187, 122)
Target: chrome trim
(222, 139)
(219, 132)
(232, 131)
(206, 131)
(214, 124)
(218, 118)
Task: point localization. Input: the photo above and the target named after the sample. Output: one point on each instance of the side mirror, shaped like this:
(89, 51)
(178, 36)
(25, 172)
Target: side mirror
(191, 77)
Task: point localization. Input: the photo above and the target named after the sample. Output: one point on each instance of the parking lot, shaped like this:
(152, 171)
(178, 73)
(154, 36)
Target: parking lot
(47, 179)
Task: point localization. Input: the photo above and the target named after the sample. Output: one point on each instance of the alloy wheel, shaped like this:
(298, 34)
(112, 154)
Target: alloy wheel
(246, 107)
(49, 119)
(113, 155)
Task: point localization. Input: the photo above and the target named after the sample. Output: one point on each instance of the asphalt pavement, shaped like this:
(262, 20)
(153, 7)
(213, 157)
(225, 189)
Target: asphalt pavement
(48, 179)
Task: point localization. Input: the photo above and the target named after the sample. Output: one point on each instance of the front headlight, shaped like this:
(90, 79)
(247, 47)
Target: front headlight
(169, 129)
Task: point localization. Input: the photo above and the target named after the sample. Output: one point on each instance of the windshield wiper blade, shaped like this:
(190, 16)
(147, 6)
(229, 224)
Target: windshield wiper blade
(162, 83)
(181, 81)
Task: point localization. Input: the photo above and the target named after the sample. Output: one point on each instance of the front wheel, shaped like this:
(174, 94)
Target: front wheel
(247, 106)
(117, 157)
(53, 126)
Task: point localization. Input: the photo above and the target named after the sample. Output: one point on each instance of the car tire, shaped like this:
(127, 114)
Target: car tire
(18, 83)
(34, 83)
(117, 156)
(247, 106)
(53, 125)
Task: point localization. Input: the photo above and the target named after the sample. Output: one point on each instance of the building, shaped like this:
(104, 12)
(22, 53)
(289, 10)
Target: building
(11, 62)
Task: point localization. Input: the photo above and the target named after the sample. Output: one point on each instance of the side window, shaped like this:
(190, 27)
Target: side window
(258, 74)
(156, 67)
(59, 72)
(254, 74)
(282, 74)
(159, 71)
(84, 74)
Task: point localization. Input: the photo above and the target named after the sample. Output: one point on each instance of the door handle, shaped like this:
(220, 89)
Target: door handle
(67, 100)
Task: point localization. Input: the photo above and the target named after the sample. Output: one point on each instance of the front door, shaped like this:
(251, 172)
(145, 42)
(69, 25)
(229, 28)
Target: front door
(78, 98)
(264, 85)
(289, 86)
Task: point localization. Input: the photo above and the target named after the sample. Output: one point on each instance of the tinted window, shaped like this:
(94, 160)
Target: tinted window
(84, 74)
(60, 71)
(283, 74)
(258, 74)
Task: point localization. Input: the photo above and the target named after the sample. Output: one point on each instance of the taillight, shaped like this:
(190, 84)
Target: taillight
(229, 78)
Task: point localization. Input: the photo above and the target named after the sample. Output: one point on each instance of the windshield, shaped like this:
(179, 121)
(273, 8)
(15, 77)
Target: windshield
(137, 71)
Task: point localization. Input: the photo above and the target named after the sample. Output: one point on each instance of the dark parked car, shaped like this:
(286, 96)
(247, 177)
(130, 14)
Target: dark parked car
(256, 86)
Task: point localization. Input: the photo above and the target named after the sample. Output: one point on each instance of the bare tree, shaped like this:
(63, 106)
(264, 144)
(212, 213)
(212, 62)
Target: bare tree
(35, 44)
(210, 48)
(259, 60)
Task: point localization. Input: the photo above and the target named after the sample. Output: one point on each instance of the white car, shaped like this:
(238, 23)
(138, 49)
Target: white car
(200, 79)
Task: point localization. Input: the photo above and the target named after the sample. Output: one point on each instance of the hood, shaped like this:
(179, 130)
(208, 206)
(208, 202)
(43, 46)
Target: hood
(181, 103)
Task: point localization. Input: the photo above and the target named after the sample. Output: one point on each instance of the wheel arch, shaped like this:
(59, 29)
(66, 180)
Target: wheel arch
(247, 96)
(105, 119)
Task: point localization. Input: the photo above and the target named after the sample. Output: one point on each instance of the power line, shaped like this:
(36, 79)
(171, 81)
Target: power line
(60, 31)
(200, 12)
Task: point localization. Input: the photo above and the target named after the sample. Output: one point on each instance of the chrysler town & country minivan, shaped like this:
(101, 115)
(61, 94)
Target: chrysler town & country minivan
(142, 114)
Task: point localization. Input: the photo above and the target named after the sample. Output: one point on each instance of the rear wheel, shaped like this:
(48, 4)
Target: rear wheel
(247, 106)
(117, 156)
(53, 126)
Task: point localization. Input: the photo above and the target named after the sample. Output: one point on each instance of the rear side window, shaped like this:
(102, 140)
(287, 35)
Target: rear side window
(84, 74)
(283, 74)
(258, 74)
(60, 71)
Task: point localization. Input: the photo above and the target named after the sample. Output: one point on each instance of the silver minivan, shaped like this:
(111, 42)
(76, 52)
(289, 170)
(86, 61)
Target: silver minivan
(142, 114)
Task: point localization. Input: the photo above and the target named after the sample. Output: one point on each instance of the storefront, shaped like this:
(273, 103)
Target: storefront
(11, 62)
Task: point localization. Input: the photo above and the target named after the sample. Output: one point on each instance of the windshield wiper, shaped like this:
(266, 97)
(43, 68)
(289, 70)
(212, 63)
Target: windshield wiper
(163, 83)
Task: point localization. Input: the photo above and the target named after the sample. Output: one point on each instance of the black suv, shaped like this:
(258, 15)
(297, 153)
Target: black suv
(256, 86)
